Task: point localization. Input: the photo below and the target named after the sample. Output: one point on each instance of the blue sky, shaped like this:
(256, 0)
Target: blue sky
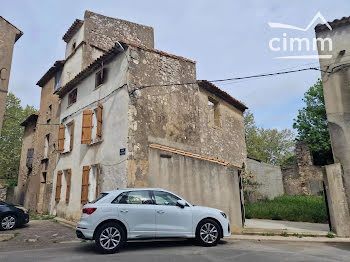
(226, 38)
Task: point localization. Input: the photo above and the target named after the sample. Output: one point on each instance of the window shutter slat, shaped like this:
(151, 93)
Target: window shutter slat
(98, 169)
(99, 120)
(69, 176)
(71, 135)
(58, 186)
(85, 185)
(86, 127)
(61, 134)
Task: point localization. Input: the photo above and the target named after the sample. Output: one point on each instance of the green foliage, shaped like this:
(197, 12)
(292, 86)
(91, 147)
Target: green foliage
(11, 136)
(312, 125)
(12, 182)
(291, 208)
(268, 145)
(330, 235)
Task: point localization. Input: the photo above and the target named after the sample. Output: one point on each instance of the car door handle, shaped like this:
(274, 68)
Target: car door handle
(160, 211)
(124, 210)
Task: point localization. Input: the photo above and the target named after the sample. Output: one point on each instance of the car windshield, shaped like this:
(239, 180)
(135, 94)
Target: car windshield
(99, 198)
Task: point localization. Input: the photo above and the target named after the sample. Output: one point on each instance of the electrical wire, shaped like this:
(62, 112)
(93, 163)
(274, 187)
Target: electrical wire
(192, 83)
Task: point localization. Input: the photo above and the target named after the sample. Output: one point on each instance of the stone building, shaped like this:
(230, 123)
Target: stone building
(304, 178)
(25, 185)
(336, 89)
(9, 35)
(123, 118)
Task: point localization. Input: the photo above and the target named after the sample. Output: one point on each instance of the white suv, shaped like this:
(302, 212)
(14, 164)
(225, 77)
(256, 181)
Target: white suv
(121, 215)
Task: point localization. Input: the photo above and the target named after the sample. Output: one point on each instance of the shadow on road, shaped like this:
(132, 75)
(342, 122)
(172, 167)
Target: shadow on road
(132, 246)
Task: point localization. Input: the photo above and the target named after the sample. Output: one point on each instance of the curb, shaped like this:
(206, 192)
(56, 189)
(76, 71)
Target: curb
(288, 239)
(65, 222)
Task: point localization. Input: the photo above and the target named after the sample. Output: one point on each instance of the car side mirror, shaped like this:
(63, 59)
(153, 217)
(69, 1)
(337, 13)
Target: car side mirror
(181, 203)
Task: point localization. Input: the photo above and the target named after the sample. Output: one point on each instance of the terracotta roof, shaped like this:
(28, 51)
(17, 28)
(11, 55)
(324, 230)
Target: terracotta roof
(30, 119)
(334, 24)
(222, 94)
(72, 30)
(50, 73)
(193, 155)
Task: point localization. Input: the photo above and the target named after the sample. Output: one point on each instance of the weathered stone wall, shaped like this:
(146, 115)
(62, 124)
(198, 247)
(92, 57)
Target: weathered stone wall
(336, 89)
(303, 178)
(190, 178)
(102, 32)
(8, 36)
(24, 173)
(268, 179)
(176, 114)
(170, 113)
(37, 191)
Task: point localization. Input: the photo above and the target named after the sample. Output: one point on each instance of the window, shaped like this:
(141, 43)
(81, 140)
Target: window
(46, 146)
(100, 77)
(100, 197)
(43, 178)
(90, 183)
(134, 197)
(165, 198)
(72, 97)
(66, 137)
(68, 176)
(30, 154)
(58, 81)
(92, 125)
(214, 112)
(74, 45)
(58, 186)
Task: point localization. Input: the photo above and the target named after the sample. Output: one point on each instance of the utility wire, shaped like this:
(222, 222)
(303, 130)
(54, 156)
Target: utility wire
(235, 78)
(192, 83)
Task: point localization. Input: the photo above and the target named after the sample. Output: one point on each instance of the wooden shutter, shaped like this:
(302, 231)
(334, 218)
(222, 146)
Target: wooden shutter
(85, 185)
(99, 120)
(86, 127)
(61, 134)
(69, 176)
(71, 135)
(58, 186)
(98, 170)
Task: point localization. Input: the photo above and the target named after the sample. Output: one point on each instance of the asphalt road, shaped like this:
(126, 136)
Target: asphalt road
(185, 251)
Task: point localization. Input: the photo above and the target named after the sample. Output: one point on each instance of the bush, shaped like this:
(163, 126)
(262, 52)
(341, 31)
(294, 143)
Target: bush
(291, 208)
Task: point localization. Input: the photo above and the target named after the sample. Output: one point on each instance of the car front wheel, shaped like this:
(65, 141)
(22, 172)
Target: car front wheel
(109, 238)
(208, 233)
(8, 222)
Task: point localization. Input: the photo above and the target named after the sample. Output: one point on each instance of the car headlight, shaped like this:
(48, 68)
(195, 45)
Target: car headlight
(23, 209)
(223, 214)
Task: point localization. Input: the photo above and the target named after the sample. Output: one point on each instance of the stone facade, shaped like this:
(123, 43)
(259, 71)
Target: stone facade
(304, 178)
(25, 187)
(9, 34)
(197, 117)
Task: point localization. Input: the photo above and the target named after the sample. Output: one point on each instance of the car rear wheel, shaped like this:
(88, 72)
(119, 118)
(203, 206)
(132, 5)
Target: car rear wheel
(208, 233)
(109, 238)
(8, 222)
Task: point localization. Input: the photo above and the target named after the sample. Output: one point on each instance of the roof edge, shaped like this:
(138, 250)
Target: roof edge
(210, 87)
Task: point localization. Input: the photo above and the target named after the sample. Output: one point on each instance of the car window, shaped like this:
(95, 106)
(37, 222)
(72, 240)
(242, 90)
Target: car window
(99, 198)
(165, 198)
(134, 197)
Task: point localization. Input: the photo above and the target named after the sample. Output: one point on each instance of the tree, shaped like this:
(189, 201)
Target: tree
(312, 125)
(11, 136)
(268, 145)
